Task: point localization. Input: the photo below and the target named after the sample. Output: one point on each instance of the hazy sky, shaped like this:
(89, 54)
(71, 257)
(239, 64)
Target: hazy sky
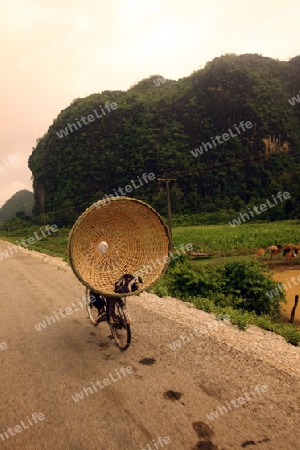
(53, 51)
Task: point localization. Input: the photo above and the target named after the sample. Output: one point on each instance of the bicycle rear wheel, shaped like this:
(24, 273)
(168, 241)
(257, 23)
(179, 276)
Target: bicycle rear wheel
(119, 323)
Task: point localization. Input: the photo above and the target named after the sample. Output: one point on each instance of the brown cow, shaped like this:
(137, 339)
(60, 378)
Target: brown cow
(288, 248)
(297, 249)
(289, 256)
(274, 250)
(259, 252)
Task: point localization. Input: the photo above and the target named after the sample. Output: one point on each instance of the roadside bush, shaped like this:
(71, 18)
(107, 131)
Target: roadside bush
(251, 284)
(184, 281)
(240, 285)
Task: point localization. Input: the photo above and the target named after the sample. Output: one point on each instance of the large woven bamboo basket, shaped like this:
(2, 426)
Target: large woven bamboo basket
(138, 243)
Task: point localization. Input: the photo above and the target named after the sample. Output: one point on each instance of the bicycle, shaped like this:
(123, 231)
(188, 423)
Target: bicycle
(117, 240)
(115, 315)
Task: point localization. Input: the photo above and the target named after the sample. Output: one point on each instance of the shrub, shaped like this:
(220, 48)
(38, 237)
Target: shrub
(185, 281)
(251, 284)
(242, 285)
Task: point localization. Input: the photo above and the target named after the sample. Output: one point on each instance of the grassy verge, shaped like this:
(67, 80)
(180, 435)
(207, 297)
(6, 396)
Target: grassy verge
(56, 244)
(243, 319)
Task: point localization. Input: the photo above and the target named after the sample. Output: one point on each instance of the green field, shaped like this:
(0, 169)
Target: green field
(239, 243)
(243, 239)
(222, 240)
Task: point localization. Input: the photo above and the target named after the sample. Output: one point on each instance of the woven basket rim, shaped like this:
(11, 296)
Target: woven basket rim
(104, 202)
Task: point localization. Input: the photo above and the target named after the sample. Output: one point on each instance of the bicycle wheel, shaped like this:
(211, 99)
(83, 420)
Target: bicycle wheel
(120, 328)
(92, 311)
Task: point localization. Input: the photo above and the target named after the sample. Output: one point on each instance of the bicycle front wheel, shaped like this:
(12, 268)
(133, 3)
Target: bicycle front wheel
(119, 323)
(92, 311)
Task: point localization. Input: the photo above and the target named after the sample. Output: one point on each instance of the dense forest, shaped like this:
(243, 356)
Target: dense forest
(21, 202)
(155, 127)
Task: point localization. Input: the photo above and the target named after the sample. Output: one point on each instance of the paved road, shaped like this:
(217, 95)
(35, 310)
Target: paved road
(156, 392)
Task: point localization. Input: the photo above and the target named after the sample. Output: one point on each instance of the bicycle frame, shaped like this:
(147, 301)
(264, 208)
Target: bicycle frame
(117, 318)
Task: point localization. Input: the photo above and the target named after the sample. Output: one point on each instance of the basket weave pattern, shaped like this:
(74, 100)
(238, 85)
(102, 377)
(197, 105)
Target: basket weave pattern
(136, 237)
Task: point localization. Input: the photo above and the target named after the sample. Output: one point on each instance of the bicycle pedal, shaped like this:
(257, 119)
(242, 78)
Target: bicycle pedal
(102, 317)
